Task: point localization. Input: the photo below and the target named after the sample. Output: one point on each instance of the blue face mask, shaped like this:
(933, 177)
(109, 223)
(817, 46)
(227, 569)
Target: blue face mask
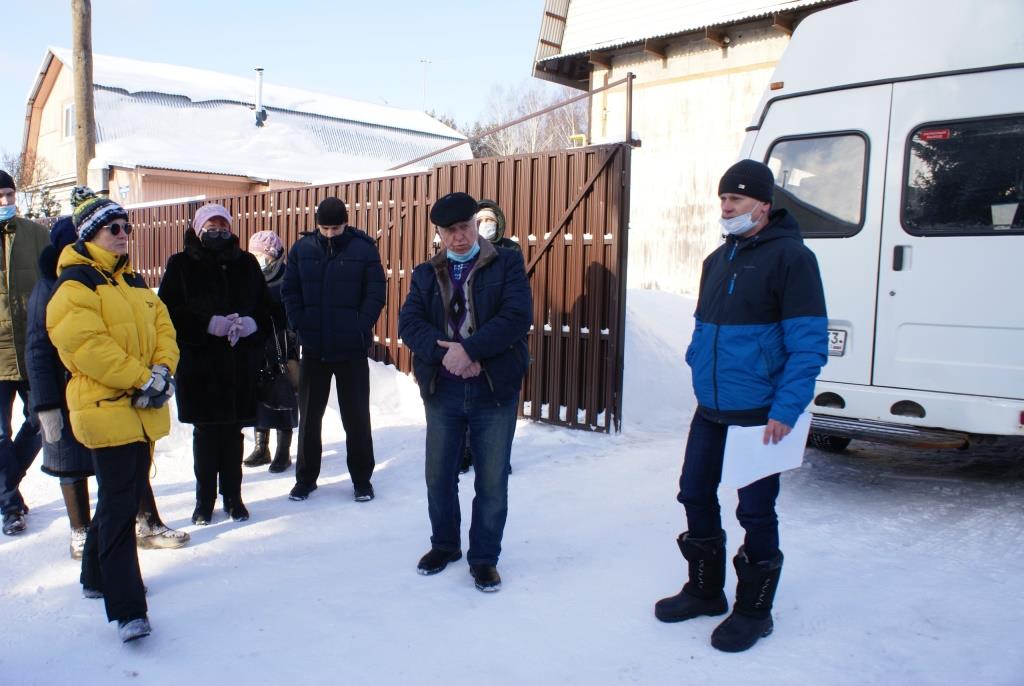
(7, 212)
(456, 257)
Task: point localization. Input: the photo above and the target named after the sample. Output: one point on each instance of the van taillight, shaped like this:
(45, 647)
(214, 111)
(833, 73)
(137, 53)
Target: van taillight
(1022, 417)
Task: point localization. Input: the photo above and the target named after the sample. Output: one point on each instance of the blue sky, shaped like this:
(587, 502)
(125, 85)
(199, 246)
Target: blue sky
(363, 50)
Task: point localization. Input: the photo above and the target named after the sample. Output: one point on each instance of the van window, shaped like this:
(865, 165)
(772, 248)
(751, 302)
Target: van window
(820, 180)
(965, 178)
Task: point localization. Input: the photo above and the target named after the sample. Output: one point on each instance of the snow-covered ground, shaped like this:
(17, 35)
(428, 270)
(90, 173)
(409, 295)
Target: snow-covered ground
(892, 576)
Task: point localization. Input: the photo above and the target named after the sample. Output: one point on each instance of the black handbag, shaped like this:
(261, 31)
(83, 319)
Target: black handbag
(274, 389)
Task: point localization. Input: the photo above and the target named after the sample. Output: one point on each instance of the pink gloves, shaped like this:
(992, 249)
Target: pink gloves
(242, 327)
(220, 325)
(231, 326)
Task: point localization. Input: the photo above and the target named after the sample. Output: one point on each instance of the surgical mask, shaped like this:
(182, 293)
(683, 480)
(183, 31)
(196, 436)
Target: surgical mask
(738, 225)
(264, 260)
(7, 212)
(489, 230)
(456, 257)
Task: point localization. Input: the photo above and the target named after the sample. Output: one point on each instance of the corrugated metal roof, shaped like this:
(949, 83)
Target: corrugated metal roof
(594, 25)
(172, 132)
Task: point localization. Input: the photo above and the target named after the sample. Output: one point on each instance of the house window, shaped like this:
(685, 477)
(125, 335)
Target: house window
(68, 126)
(821, 179)
(965, 178)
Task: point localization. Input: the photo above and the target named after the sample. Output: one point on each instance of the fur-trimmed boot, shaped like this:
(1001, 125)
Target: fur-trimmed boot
(76, 500)
(703, 593)
(751, 617)
(260, 455)
(281, 459)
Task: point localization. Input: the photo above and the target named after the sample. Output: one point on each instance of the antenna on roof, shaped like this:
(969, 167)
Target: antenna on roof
(261, 114)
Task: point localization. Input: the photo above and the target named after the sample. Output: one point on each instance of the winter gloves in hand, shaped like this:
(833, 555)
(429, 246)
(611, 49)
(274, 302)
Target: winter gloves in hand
(243, 327)
(52, 422)
(231, 326)
(220, 325)
(157, 391)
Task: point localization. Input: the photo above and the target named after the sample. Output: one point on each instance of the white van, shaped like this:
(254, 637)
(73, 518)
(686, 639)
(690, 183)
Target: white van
(895, 129)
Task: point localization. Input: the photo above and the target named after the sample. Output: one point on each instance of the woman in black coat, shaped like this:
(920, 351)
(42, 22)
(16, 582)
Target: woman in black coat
(269, 252)
(218, 301)
(63, 456)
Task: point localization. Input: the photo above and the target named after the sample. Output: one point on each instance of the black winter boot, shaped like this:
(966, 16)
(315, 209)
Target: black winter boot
(281, 460)
(260, 455)
(751, 616)
(703, 592)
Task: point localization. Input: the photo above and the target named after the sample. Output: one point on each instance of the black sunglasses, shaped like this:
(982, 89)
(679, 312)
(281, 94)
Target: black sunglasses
(115, 229)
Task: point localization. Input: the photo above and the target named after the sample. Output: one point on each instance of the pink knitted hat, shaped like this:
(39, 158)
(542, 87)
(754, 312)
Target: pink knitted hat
(208, 212)
(267, 243)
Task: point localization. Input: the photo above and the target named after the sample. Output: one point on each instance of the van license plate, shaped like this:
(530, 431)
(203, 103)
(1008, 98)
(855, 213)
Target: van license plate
(836, 342)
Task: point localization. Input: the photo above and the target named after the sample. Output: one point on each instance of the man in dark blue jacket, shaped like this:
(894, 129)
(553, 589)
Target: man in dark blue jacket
(465, 319)
(759, 341)
(334, 289)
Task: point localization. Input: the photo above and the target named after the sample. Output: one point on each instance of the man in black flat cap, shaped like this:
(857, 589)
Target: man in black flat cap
(334, 289)
(466, 319)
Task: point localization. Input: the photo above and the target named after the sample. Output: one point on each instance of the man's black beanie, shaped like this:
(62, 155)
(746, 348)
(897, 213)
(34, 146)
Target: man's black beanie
(331, 212)
(749, 178)
(6, 181)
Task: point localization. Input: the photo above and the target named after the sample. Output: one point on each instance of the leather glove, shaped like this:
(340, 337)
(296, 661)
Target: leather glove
(242, 327)
(52, 422)
(220, 325)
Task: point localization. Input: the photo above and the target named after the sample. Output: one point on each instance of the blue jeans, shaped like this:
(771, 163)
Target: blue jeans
(15, 455)
(698, 492)
(454, 407)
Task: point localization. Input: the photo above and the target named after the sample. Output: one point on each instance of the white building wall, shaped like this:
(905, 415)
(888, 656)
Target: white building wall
(53, 147)
(690, 111)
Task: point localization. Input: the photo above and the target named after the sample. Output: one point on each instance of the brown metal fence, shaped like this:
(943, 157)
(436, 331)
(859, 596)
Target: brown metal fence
(569, 211)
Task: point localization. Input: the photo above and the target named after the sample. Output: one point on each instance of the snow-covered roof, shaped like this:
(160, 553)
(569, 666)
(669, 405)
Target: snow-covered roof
(593, 25)
(173, 117)
(200, 85)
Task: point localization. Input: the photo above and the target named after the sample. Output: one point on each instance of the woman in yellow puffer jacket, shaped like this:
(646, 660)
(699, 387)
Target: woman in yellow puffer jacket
(116, 338)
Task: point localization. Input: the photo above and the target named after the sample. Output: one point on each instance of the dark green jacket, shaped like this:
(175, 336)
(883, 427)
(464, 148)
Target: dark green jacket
(23, 241)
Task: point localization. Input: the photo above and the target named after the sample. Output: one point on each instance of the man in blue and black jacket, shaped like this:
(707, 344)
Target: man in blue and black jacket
(334, 290)
(759, 341)
(466, 319)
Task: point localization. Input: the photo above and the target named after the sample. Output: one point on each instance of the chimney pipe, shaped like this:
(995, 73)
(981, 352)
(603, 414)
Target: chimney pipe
(261, 114)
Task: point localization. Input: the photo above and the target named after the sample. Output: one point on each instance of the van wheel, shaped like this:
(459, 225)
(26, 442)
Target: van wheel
(829, 444)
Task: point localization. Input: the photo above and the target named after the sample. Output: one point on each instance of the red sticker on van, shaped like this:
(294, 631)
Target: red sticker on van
(934, 135)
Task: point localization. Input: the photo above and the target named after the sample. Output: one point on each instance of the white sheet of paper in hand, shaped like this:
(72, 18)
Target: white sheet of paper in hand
(748, 459)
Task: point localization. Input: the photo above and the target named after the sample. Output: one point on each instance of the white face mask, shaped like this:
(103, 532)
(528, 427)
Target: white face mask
(264, 260)
(737, 225)
(488, 230)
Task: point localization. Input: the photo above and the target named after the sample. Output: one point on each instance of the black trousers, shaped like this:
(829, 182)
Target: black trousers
(217, 451)
(352, 379)
(110, 562)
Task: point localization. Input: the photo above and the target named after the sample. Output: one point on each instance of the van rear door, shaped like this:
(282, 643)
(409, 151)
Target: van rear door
(827, 151)
(951, 278)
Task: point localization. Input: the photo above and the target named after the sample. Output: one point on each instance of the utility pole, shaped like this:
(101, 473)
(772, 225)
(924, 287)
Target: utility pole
(85, 115)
